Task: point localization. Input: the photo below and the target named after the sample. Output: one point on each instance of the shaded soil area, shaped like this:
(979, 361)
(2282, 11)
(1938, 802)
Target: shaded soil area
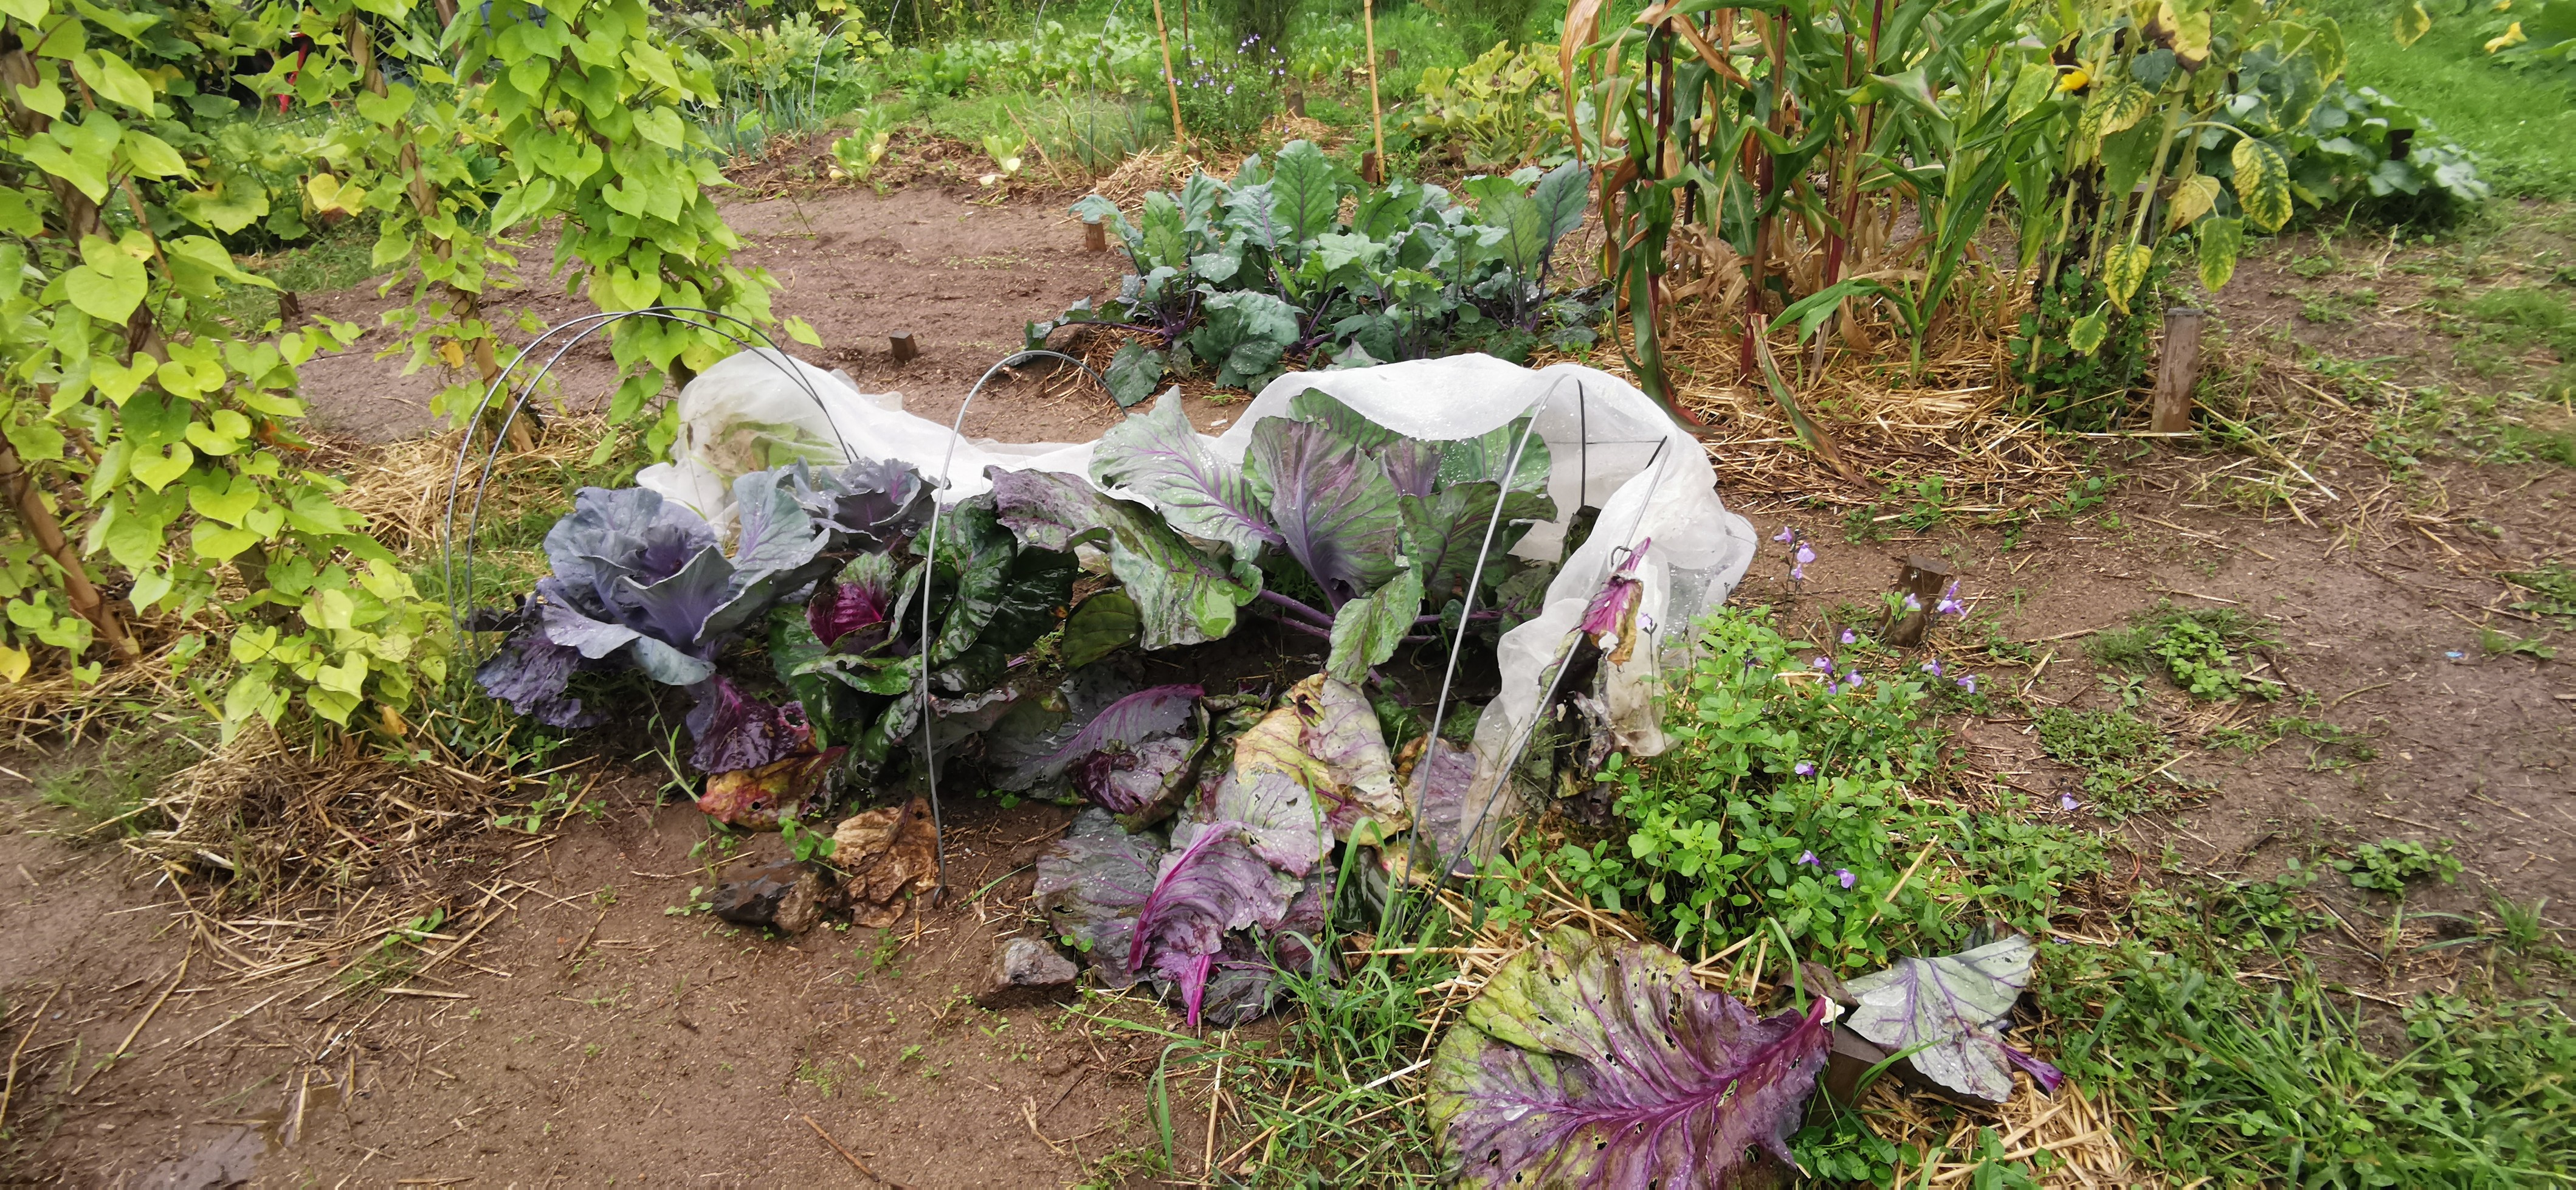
(961, 277)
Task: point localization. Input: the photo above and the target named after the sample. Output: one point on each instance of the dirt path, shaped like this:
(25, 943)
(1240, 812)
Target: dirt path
(963, 278)
(599, 1034)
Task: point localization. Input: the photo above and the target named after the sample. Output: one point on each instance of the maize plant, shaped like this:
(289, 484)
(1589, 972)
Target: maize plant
(1837, 161)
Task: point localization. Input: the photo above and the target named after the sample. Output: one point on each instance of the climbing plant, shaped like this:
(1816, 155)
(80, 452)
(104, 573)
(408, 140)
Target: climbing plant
(164, 501)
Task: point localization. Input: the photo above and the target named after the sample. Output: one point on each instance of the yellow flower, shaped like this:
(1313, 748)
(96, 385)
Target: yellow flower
(2073, 80)
(2512, 36)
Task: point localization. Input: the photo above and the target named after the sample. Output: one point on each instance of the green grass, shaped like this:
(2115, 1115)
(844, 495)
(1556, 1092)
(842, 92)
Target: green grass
(327, 260)
(2521, 126)
(2277, 1084)
(115, 785)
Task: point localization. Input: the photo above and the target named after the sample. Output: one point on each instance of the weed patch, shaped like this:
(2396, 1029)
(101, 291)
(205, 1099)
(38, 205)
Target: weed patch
(2198, 649)
(2277, 1086)
(2116, 751)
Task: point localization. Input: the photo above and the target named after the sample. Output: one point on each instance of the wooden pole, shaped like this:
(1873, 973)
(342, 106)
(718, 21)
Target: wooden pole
(1180, 132)
(903, 346)
(1377, 113)
(2177, 370)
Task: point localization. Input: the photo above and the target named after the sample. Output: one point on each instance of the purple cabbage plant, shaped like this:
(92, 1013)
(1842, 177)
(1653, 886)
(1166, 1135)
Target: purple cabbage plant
(644, 583)
(1387, 529)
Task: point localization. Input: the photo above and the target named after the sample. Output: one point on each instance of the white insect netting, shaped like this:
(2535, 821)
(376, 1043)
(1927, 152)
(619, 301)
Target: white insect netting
(1610, 447)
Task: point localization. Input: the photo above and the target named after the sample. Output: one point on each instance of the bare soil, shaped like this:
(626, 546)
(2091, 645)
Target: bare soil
(604, 1033)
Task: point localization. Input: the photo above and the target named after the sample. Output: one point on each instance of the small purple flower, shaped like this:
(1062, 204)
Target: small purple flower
(1950, 605)
(1785, 536)
(1969, 683)
(1844, 875)
(2067, 802)
(1849, 637)
(1933, 667)
(1809, 857)
(1805, 769)
(1853, 679)
(1911, 603)
(1806, 553)
(1823, 663)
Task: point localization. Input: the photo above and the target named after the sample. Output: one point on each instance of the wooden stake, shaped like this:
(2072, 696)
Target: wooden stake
(1095, 237)
(905, 347)
(1180, 132)
(1922, 578)
(2177, 370)
(1377, 113)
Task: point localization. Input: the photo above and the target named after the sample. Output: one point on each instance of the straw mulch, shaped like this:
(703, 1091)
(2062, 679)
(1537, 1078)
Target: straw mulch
(1952, 418)
(2082, 1139)
(402, 487)
(275, 820)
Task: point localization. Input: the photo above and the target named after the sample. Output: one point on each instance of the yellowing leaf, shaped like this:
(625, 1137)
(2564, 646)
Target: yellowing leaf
(2262, 183)
(13, 663)
(2087, 333)
(2075, 79)
(2512, 36)
(2124, 268)
(2116, 108)
(2220, 240)
(324, 190)
(2411, 23)
(2185, 33)
(2193, 197)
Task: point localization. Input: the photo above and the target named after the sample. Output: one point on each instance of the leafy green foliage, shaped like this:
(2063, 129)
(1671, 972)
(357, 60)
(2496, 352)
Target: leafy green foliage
(1501, 111)
(1241, 277)
(2112, 748)
(2072, 387)
(2198, 648)
(1725, 830)
(2361, 147)
(2553, 589)
(2389, 865)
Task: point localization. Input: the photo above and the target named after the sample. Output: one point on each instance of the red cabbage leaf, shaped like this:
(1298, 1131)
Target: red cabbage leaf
(1951, 1011)
(1597, 1062)
(1157, 456)
(1337, 512)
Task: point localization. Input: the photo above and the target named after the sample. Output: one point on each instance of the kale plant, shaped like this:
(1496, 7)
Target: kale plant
(1241, 277)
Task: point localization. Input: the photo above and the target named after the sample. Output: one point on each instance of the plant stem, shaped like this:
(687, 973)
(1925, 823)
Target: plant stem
(1276, 599)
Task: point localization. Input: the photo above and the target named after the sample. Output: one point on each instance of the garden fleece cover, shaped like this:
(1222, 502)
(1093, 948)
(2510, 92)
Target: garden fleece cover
(1609, 445)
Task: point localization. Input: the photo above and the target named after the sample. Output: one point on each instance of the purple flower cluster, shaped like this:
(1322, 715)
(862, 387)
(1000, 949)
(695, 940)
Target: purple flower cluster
(1950, 605)
(1842, 876)
(1800, 552)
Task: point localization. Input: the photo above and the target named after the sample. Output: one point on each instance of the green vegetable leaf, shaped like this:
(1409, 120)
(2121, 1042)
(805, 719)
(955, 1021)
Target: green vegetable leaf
(108, 285)
(1367, 630)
